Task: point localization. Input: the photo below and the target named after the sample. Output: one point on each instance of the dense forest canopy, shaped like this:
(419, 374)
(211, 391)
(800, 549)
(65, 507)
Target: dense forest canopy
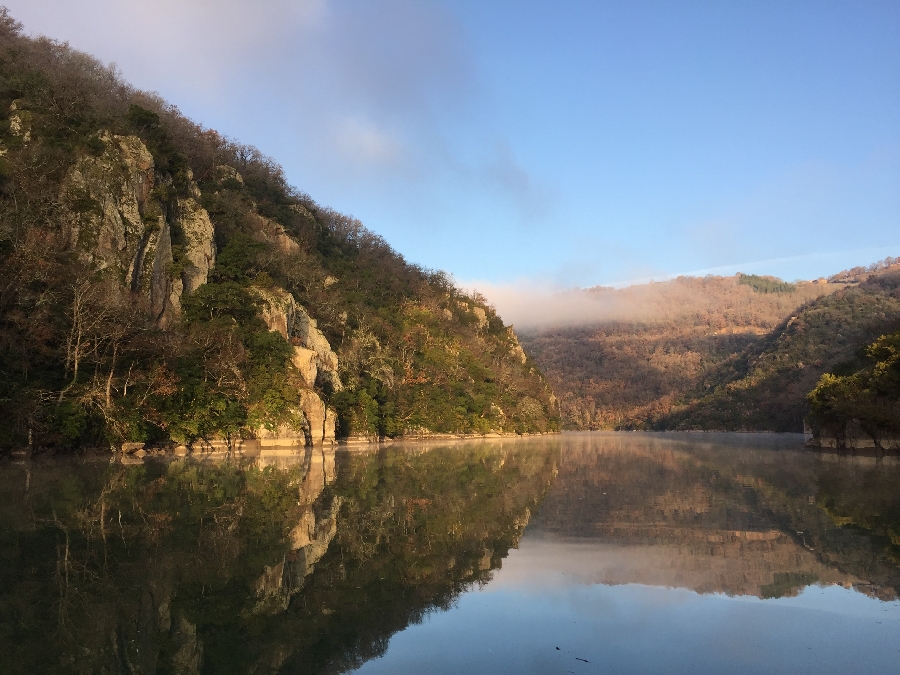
(163, 282)
(766, 284)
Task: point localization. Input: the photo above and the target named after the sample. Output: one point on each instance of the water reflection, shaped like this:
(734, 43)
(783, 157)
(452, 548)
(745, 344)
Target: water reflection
(310, 559)
(741, 515)
(295, 561)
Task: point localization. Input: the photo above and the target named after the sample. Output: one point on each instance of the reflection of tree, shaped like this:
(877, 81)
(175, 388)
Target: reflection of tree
(755, 520)
(203, 568)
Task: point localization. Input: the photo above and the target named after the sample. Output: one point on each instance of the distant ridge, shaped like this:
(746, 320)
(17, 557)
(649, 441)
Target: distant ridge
(666, 353)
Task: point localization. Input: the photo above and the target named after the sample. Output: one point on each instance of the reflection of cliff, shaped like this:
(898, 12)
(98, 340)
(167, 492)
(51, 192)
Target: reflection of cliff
(416, 528)
(308, 539)
(126, 566)
(714, 519)
(297, 563)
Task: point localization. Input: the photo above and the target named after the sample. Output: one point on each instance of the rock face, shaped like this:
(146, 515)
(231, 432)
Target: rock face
(481, 317)
(515, 346)
(313, 355)
(200, 249)
(310, 337)
(313, 358)
(273, 233)
(115, 223)
(19, 122)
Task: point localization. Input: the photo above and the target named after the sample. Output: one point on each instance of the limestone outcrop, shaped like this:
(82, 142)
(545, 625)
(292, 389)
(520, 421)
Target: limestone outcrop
(310, 337)
(19, 121)
(312, 357)
(116, 224)
(273, 233)
(200, 248)
(515, 347)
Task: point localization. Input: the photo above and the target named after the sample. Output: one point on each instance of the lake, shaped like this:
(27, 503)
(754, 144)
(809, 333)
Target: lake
(577, 553)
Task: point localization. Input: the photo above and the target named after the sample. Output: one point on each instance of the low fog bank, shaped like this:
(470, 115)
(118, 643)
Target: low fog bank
(533, 307)
(530, 306)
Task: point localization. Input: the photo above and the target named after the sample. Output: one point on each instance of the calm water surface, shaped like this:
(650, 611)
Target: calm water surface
(581, 553)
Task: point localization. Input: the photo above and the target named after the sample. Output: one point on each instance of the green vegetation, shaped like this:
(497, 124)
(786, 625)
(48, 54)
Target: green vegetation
(766, 284)
(868, 398)
(136, 248)
(765, 387)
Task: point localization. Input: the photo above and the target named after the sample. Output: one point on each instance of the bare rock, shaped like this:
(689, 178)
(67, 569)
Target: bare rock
(19, 121)
(274, 233)
(314, 411)
(278, 309)
(201, 249)
(481, 317)
(307, 362)
(224, 172)
(308, 334)
(515, 347)
(313, 355)
(105, 198)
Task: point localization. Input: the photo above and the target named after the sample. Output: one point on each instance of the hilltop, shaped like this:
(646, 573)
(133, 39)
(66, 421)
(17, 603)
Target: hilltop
(765, 387)
(712, 352)
(163, 283)
(655, 342)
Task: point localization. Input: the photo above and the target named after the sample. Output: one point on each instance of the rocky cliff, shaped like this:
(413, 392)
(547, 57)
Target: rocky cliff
(163, 284)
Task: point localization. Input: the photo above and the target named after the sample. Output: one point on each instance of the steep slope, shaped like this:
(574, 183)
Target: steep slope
(163, 283)
(765, 387)
(658, 341)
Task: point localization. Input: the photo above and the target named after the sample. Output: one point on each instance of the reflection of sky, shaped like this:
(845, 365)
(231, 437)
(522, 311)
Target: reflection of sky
(540, 601)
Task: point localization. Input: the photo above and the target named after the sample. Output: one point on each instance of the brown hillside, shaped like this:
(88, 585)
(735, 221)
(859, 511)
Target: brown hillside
(658, 341)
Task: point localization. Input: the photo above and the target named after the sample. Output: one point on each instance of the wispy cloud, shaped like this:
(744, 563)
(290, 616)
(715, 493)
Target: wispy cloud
(512, 181)
(362, 143)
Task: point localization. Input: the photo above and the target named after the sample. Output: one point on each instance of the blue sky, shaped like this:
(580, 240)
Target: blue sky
(528, 145)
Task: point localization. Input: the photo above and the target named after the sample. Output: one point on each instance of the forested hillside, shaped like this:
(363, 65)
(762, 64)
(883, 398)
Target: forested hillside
(659, 341)
(858, 402)
(765, 387)
(161, 282)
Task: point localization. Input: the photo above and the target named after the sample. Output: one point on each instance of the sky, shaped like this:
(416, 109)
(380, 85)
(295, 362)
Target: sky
(526, 146)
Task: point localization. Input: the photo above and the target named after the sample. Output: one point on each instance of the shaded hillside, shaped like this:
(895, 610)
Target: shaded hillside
(162, 282)
(765, 388)
(857, 403)
(658, 341)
